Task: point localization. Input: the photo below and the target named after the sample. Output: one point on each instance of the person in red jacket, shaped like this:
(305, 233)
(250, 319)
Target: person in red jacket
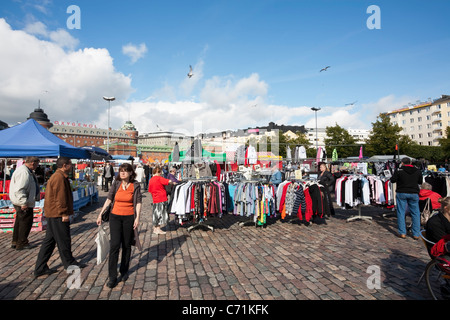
(156, 187)
(426, 192)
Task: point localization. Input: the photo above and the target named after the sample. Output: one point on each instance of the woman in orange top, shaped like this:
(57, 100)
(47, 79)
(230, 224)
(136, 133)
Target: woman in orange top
(125, 194)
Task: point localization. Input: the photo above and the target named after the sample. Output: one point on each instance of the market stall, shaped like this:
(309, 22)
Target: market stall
(32, 139)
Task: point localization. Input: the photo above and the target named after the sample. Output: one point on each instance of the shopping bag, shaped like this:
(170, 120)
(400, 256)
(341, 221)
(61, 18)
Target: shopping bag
(102, 241)
(426, 213)
(136, 242)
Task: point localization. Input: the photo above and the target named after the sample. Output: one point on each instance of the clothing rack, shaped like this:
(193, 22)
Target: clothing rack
(201, 222)
(250, 221)
(296, 219)
(359, 216)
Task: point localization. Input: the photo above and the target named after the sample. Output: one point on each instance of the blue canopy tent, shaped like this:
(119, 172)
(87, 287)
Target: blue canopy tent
(32, 139)
(122, 157)
(98, 153)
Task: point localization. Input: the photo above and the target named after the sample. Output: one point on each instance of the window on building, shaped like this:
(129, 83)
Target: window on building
(412, 136)
(429, 134)
(419, 119)
(411, 128)
(428, 117)
(429, 126)
(403, 121)
(411, 120)
(419, 127)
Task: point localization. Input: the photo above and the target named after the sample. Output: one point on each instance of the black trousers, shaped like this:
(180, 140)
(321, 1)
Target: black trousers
(58, 233)
(122, 236)
(22, 226)
(108, 182)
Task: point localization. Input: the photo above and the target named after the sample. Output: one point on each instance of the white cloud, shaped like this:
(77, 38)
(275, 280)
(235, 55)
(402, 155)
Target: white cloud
(60, 37)
(35, 60)
(75, 81)
(344, 117)
(134, 52)
(387, 103)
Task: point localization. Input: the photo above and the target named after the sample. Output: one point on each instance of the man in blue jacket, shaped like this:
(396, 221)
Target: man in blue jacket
(408, 179)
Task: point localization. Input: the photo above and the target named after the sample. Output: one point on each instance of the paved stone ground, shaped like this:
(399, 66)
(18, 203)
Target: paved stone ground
(284, 261)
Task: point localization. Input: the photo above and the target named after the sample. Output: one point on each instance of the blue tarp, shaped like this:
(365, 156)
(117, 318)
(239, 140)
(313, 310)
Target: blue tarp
(32, 139)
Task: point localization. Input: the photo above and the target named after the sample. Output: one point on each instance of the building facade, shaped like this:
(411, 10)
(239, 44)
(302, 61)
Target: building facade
(81, 134)
(424, 122)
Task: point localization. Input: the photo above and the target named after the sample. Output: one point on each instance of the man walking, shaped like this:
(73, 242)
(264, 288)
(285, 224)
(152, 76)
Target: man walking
(58, 206)
(108, 174)
(23, 192)
(408, 179)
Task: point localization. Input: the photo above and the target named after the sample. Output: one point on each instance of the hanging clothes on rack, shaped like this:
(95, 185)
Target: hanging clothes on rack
(251, 157)
(199, 199)
(255, 199)
(353, 190)
(302, 198)
(440, 182)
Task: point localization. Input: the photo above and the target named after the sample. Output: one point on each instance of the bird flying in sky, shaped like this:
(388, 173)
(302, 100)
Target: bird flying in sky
(325, 69)
(190, 74)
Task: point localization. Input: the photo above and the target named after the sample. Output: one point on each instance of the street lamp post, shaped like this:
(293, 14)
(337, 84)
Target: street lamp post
(109, 99)
(317, 139)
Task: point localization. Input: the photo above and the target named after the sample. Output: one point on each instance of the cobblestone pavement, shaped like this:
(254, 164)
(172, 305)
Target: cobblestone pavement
(284, 261)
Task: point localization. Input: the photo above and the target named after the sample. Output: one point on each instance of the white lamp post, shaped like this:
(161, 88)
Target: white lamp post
(109, 99)
(317, 139)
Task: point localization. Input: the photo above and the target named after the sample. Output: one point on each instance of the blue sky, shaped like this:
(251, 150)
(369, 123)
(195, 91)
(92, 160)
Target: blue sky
(254, 61)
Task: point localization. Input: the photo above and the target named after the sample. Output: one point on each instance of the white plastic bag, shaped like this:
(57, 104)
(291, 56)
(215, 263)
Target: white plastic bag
(102, 241)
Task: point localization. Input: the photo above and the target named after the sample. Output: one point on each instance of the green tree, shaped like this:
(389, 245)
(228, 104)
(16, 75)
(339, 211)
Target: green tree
(338, 138)
(385, 136)
(445, 144)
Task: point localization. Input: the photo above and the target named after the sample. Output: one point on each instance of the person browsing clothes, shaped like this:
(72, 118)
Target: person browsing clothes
(408, 179)
(156, 187)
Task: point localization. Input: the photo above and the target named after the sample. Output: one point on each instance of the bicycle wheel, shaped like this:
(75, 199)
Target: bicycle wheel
(437, 284)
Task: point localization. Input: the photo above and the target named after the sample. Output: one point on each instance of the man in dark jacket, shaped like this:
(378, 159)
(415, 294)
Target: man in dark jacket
(58, 207)
(408, 179)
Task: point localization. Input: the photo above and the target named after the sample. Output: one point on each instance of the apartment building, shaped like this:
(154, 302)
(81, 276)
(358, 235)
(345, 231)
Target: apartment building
(424, 122)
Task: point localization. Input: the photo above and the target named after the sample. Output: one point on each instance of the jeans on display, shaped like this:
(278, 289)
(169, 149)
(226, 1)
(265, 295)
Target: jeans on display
(412, 200)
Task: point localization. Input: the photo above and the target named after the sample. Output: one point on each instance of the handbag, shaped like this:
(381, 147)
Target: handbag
(426, 213)
(106, 213)
(102, 241)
